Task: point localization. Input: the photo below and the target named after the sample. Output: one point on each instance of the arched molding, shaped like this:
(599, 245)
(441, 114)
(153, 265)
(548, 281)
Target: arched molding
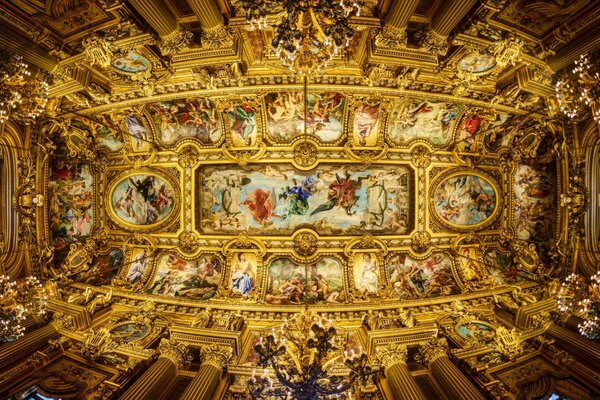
(590, 150)
(12, 253)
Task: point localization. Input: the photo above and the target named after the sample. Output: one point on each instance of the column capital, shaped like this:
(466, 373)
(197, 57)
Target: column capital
(175, 41)
(391, 354)
(175, 351)
(216, 37)
(391, 37)
(434, 42)
(216, 355)
(433, 350)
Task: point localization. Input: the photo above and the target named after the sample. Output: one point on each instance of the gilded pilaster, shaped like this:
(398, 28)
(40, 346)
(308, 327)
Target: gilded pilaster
(31, 53)
(445, 19)
(393, 33)
(207, 12)
(576, 344)
(393, 358)
(20, 348)
(173, 38)
(214, 358)
(446, 373)
(571, 52)
(214, 32)
(150, 385)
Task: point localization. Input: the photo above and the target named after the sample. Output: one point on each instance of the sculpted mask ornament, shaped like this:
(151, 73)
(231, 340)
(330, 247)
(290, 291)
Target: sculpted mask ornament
(421, 157)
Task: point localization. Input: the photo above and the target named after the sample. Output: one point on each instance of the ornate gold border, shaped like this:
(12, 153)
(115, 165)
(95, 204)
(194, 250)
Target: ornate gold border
(174, 214)
(445, 175)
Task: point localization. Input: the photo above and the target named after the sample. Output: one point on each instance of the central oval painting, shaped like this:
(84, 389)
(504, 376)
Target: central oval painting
(465, 200)
(142, 199)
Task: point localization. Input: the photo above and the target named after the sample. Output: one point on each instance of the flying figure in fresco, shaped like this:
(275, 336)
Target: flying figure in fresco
(261, 205)
(298, 194)
(341, 193)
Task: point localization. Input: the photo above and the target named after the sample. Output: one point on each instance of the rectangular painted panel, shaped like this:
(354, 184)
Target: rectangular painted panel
(278, 199)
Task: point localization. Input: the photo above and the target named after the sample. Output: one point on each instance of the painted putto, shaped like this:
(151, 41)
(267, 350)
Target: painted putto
(191, 118)
(278, 199)
(411, 119)
(287, 283)
(533, 201)
(196, 280)
(324, 115)
(71, 192)
(413, 279)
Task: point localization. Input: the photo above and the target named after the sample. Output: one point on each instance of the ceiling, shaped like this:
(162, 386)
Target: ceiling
(180, 161)
(421, 162)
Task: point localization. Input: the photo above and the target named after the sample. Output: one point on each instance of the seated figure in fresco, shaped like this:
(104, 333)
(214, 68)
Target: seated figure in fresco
(369, 281)
(136, 271)
(242, 279)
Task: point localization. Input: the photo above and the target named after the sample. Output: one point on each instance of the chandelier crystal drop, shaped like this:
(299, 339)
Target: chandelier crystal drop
(581, 298)
(18, 300)
(581, 92)
(22, 95)
(308, 34)
(305, 357)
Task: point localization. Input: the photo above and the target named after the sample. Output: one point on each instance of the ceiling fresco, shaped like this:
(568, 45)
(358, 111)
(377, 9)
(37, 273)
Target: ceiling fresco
(185, 188)
(381, 199)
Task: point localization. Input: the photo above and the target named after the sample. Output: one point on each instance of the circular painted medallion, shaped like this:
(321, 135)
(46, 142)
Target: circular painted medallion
(476, 63)
(129, 332)
(465, 200)
(130, 63)
(142, 200)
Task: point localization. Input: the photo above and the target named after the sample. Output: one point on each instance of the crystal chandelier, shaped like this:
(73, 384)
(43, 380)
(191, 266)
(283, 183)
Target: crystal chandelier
(18, 300)
(308, 33)
(575, 95)
(21, 95)
(306, 359)
(580, 298)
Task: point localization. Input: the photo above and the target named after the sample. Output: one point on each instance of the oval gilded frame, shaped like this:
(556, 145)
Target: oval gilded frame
(435, 183)
(133, 227)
